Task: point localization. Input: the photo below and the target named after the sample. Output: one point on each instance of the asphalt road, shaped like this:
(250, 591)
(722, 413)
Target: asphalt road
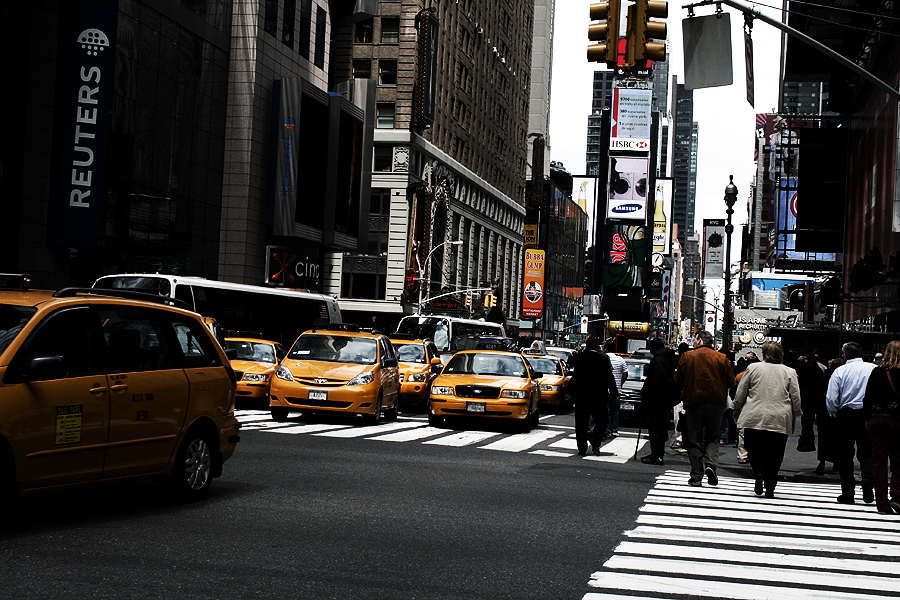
(308, 516)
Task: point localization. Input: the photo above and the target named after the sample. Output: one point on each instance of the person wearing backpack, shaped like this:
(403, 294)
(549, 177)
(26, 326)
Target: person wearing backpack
(658, 396)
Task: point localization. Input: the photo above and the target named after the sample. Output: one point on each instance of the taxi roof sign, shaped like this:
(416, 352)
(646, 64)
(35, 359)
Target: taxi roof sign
(14, 281)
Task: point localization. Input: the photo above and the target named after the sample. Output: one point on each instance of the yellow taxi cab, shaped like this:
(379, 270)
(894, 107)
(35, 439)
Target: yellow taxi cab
(419, 363)
(338, 369)
(554, 380)
(97, 388)
(254, 364)
(489, 384)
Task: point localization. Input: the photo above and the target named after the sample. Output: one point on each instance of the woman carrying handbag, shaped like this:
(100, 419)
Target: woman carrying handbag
(882, 404)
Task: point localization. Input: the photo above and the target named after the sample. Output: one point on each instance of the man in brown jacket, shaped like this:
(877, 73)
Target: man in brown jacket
(705, 376)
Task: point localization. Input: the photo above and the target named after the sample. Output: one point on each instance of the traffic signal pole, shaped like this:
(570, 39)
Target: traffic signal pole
(849, 64)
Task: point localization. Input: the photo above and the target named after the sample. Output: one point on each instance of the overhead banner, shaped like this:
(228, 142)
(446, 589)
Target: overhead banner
(627, 188)
(533, 305)
(662, 216)
(90, 44)
(713, 249)
(630, 127)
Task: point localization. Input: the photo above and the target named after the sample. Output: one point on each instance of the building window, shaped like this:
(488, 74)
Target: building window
(319, 59)
(387, 72)
(270, 21)
(384, 159)
(362, 68)
(365, 286)
(287, 26)
(390, 31)
(363, 32)
(384, 115)
(305, 27)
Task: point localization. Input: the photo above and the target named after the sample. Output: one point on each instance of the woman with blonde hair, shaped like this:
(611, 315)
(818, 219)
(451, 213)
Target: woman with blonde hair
(882, 406)
(767, 404)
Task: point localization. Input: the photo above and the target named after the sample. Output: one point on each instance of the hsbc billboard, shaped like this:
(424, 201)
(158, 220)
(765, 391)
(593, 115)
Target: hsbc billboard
(630, 123)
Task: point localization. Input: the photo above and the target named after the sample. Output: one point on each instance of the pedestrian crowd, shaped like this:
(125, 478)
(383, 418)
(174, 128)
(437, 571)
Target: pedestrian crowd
(851, 405)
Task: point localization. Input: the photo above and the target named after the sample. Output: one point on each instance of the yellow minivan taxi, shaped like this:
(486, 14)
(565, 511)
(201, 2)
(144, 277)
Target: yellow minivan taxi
(419, 363)
(97, 388)
(338, 369)
(254, 363)
(488, 384)
(553, 383)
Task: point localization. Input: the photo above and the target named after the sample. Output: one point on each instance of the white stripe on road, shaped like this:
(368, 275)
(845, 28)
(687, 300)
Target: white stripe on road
(715, 589)
(307, 428)
(462, 438)
(769, 574)
(368, 430)
(522, 441)
(409, 435)
(686, 534)
(778, 559)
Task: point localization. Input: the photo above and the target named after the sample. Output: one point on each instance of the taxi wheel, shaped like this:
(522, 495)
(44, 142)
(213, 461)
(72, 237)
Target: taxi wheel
(279, 413)
(192, 473)
(394, 412)
(435, 420)
(374, 418)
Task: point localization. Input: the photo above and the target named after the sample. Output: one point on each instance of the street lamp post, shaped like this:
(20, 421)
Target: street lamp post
(425, 267)
(731, 193)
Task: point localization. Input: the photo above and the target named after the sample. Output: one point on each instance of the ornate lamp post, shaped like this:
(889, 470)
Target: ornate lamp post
(425, 268)
(731, 193)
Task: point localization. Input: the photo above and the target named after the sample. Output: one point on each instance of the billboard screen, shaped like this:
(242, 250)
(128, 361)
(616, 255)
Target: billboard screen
(627, 188)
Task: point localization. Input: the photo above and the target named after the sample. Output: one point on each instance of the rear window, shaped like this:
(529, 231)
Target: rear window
(12, 319)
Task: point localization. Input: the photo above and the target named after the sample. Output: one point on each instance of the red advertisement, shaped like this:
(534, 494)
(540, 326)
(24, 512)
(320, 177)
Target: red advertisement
(533, 304)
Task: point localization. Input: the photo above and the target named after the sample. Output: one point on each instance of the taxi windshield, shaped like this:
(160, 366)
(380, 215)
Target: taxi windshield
(410, 353)
(256, 352)
(12, 320)
(636, 369)
(486, 364)
(335, 348)
(547, 366)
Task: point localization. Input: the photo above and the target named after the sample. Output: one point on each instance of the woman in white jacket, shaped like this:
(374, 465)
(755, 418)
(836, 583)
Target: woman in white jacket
(767, 404)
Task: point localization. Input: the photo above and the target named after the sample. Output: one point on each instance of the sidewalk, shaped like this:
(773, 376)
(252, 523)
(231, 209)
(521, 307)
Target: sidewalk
(797, 466)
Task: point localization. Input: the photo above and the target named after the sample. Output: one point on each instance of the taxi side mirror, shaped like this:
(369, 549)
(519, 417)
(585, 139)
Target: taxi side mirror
(537, 375)
(389, 363)
(231, 353)
(436, 362)
(44, 368)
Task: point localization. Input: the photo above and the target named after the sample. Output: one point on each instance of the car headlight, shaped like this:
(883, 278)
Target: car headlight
(549, 388)
(418, 377)
(256, 377)
(362, 378)
(512, 394)
(284, 373)
(440, 390)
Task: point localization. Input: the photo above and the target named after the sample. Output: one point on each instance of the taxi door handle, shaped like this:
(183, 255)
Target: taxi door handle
(119, 387)
(98, 390)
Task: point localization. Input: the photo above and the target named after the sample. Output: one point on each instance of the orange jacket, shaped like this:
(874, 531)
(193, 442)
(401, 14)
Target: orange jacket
(704, 376)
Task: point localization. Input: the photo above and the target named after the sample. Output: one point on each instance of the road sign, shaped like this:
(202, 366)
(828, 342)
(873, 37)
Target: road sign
(584, 324)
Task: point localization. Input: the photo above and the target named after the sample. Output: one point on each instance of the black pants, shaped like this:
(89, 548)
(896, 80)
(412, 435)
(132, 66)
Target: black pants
(657, 429)
(702, 431)
(765, 449)
(584, 410)
(807, 441)
(853, 437)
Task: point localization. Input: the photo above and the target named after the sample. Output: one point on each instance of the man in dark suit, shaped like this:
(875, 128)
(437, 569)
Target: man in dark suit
(594, 388)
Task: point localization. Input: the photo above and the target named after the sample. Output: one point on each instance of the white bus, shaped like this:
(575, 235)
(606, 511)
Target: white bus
(276, 314)
(445, 331)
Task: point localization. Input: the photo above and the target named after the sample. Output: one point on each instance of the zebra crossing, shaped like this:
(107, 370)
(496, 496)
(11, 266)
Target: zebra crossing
(546, 440)
(725, 542)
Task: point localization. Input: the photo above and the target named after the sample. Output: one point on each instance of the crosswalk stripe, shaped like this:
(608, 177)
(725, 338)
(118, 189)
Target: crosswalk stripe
(354, 432)
(687, 534)
(462, 438)
(771, 574)
(715, 589)
(520, 442)
(780, 559)
(306, 428)
(724, 542)
(409, 435)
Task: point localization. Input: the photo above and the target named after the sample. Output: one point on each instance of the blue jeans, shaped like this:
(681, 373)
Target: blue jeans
(613, 426)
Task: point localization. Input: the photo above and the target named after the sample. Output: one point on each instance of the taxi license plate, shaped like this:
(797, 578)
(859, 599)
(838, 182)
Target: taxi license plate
(318, 395)
(475, 407)
(626, 406)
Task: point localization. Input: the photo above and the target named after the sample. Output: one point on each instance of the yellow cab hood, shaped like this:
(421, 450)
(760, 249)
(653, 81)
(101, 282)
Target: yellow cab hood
(250, 366)
(323, 369)
(515, 383)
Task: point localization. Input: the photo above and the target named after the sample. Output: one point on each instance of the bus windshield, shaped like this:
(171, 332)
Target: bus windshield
(433, 328)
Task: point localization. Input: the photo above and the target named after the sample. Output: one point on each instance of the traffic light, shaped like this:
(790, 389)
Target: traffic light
(490, 300)
(606, 32)
(468, 300)
(638, 47)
